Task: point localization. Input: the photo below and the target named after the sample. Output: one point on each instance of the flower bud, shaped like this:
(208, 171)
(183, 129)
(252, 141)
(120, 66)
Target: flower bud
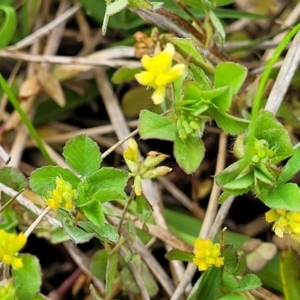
(138, 185)
(239, 148)
(131, 156)
(157, 172)
(153, 159)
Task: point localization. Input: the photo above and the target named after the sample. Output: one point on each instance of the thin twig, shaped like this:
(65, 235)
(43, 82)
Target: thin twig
(11, 200)
(37, 221)
(45, 29)
(208, 219)
(222, 213)
(27, 203)
(286, 73)
(4, 155)
(119, 143)
(215, 193)
(94, 60)
(137, 276)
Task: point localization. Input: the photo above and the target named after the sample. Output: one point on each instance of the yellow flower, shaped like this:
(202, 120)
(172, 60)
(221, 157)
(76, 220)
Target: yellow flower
(63, 196)
(207, 254)
(10, 245)
(285, 222)
(160, 72)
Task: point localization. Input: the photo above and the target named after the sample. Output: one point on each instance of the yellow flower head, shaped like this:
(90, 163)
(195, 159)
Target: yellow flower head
(10, 245)
(160, 72)
(63, 196)
(207, 254)
(285, 222)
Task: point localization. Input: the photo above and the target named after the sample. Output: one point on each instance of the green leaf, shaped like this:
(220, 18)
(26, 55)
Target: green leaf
(143, 208)
(269, 129)
(94, 212)
(83, 155)
(176, 254)
(13, 178)
(231, 172)
(140, 4)
(221, 2)
(230, 74)
(111, 272)
(207, 285)
(8, 26)
(232, 297)
(243, 182)
(99, 264)
(94, 293)
(285, 196)
(189, 48)
(249, 282)
(105, 195)
(228, 123)
(124, 74)
(77, 235)
(289, 272)
(129, 234)
(28, 279)
(129, 282)
(202, 5)
(102, 196)
(9, 220)
(106, 232)
(260, 175)
(43, 179)
(112, 9)
(124, 19)
(218, 26)
(229, 281)
(229, 252)
(291, 168)
(152, 125)
(189, 152)
(58, 236)
(201, 78)
(214, 93)
(109, 179)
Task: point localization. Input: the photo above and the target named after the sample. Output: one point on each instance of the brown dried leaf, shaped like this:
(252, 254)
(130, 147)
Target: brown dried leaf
(51, 86)
(29, 88)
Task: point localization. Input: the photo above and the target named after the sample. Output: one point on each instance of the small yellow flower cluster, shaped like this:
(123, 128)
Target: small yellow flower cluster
(160, 72)
(10, 245)
(143, 169)
(285, 222)
(62, 196)
(207, 254)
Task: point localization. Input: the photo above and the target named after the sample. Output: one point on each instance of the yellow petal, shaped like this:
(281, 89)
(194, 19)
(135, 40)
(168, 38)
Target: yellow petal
(177, 71)
(146, 78)
(170, 49)
(271, 216)
(146, 61)
(159, 95)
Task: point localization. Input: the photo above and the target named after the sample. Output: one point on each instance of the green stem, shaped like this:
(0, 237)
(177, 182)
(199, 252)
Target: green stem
(25, 119)
(129, 200)
(263, 81)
